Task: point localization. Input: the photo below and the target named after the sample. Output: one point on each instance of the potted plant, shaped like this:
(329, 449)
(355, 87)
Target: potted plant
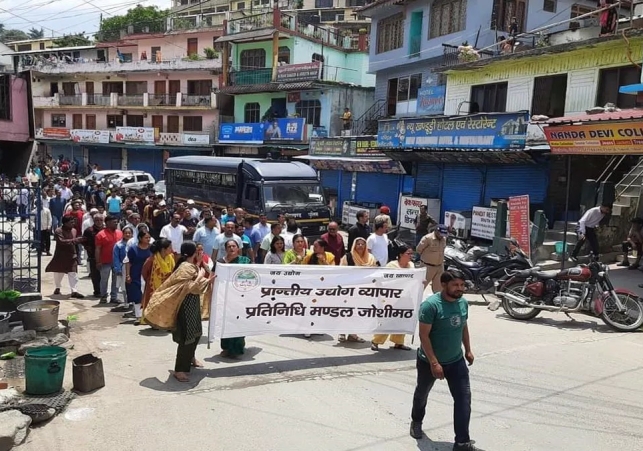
(210, 53)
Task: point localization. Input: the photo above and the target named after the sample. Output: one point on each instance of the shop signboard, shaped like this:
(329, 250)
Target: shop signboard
(135, 134)
(489, 131)
(519, 226)
(600, 138)
(90, 136)
(457, 224)
(241, 133)
(483, 223)
(53, 133)
(431, 100)
(190, 139)
(337, 164)
(365, 147)
(329, 147)
(285, 129)
(289, 73)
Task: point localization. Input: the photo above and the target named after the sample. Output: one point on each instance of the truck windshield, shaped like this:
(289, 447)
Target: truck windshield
(291, 194)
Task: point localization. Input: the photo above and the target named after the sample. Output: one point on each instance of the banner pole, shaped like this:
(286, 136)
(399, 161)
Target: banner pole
(569, 173)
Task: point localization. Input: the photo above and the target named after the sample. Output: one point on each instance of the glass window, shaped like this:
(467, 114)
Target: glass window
(309, 110)
(609, 82)
(301, 193)
(114, 121)
(447, 16)
(58, 120)
(390, 33)
(284, 55)
(549, 6)
(489, 98)
(252, 113)
(323, 4)
(252, 59)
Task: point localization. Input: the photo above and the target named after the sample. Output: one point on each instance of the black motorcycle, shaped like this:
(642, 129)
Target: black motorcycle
(481, 275)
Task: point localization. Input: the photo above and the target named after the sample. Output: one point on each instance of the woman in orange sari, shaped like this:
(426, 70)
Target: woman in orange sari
(156, 269)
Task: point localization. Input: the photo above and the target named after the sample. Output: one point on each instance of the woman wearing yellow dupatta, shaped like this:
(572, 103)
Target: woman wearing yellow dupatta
(176, 306)
(157, 269)
(358, 256)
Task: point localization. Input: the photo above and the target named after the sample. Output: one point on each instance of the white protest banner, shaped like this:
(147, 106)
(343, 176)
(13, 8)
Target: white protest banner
(273, 299)
(483, 222)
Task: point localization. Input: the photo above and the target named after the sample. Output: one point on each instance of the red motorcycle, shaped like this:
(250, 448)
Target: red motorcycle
(582, 289)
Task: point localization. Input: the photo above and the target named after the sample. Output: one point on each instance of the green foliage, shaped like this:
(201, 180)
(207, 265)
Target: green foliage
(8, 35)
(193, 57)
(142, 18)
(210, 53)
(35, 33)
(10, 294)
(72, 40)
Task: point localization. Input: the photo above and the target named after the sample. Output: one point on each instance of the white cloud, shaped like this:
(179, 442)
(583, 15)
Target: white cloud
(59, 17)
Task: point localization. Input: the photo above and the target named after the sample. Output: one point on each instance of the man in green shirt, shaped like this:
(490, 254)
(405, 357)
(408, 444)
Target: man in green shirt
(443, 331)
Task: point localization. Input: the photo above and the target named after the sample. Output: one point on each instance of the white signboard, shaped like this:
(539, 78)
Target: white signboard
(409, 209)
(274, 299)
(90, 136)
(135, 134)
(483, 222)
(456, 223)
(195, 140)
(349, 213)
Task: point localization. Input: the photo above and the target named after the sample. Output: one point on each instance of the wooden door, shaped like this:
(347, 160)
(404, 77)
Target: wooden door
(159, 87)
(157, 122)
(90, 121)
(175, 87)
(89, 88)
(193, 46)
(77, 121)
(172, 124)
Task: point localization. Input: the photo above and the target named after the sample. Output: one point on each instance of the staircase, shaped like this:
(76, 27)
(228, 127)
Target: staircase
(366, 124)
(629, 190)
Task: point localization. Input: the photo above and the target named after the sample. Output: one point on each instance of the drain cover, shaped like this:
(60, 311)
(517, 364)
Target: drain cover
(56, 401)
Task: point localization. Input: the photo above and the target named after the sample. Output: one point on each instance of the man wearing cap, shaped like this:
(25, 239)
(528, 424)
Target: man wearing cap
(385, 216)
(431, 250)
(194, 212)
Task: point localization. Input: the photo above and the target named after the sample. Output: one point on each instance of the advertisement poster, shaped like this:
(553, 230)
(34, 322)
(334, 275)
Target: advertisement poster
(285, 129)
(488, 130)
(483, 222)
(596, 139)
(53, 133)
(273, 299)
(289, 73)
(431, 100)
(195, 140)
(519, 221)
(90, 136)
(135, 134)
(409, 209)
(456, 223)
(241, 133)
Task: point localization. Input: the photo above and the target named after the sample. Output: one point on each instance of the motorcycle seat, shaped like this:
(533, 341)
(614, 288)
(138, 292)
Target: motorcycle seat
(545, 274)
(470, 265)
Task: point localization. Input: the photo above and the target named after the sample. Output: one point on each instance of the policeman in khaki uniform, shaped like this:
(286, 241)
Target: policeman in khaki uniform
(431, 250)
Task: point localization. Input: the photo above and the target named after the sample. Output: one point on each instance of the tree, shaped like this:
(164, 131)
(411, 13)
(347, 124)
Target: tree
(12, 35)
(35, 33)
(142, 18)
(72, 40)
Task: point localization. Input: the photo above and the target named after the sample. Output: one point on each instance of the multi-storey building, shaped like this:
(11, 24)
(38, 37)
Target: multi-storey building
(456, 81)
(31, 44)
(16, 123)
(128, 104)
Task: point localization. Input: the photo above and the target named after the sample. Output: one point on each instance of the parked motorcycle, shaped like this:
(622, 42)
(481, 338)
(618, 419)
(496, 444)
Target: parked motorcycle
(480, 275)
(582, 289)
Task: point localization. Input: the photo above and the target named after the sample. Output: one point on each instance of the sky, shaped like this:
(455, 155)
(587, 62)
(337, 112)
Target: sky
(60, 17)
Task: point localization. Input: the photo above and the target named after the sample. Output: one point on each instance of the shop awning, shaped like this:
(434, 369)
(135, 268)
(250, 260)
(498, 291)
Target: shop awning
(352, 160)
(478, 156)
(622, 115)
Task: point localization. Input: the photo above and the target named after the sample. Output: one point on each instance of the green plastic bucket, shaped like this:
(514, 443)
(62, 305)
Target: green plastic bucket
(559, 248)
(45, 370)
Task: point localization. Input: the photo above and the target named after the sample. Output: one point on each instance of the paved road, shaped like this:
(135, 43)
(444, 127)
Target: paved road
(548, 385)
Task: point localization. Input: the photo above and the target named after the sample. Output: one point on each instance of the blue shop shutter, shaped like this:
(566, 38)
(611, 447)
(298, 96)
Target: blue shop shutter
(462, 187)
(504, 181)
(346, 182)
(428, 181)
(68, 151)
(147, 160)
(379, 188)
(106, 157)
(329, 179)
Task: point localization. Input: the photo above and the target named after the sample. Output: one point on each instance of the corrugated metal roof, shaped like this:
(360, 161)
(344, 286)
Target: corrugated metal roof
(611, 116)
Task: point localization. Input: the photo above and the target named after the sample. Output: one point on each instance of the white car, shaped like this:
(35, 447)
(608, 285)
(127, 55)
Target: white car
(99, 175)
(129, 180)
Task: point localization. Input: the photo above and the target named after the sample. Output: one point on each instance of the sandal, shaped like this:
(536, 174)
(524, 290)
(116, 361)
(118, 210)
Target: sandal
(341, 338)
(374, 346)
(402, 347)
(355, 339)
(181, 377)
(196, 363)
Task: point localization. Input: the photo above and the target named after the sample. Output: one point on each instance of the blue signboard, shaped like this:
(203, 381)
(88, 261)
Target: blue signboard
(241, 133)
(285, 129)
(477, 131)
(431, 100)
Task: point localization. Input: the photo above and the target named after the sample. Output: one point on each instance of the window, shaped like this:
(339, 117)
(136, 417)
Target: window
(126, 58)
(135, 120)
(309, 110)
(323, 3)
(251, 113)
(284, 55)
(154, 52)
(42, 46)
(193, 124)
(58, 120)
(134, 88)
(5, 97)
(491, 98)
(252, 59)
(447, 16)
(504, 11)
(549, 6)
(241, 5)
(199, 87)
(69, 88)
(403, 94)
(24, 47)
(142, 178)
(90, 121)
(172, 124)
(114, 121)
(328, 16)
(549, 95)
(390, 33)
(355, 3)
(609, 82)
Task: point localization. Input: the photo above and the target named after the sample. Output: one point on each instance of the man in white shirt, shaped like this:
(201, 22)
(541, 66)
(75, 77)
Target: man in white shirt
(586, 229)
(193, 210)
(66, 193)
(275, 230)
(377, 242)
(46, 222)
(174, 232)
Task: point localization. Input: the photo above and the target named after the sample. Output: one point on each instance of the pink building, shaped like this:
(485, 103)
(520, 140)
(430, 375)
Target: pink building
(128, 104)
(16, 123)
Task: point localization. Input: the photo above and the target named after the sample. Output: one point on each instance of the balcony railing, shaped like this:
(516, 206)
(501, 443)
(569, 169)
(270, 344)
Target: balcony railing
(114, 66)
(195, 100)
(98, 99)
(71, 100)
(130, 100)
(162, 100)
(452, 56)
(250, 23)
(251, 77)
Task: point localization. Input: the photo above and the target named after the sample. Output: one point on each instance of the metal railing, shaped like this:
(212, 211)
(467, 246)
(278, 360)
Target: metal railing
(162, 100)
(195, 100)
(251, 76)
(250, 23)
(98, 99)
(130, 100)
(367, 123)
(76, 99)
(451, 56)
(415, 44)
(612, 164)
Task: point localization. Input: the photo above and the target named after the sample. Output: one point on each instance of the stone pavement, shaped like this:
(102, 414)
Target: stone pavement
(550, 384)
